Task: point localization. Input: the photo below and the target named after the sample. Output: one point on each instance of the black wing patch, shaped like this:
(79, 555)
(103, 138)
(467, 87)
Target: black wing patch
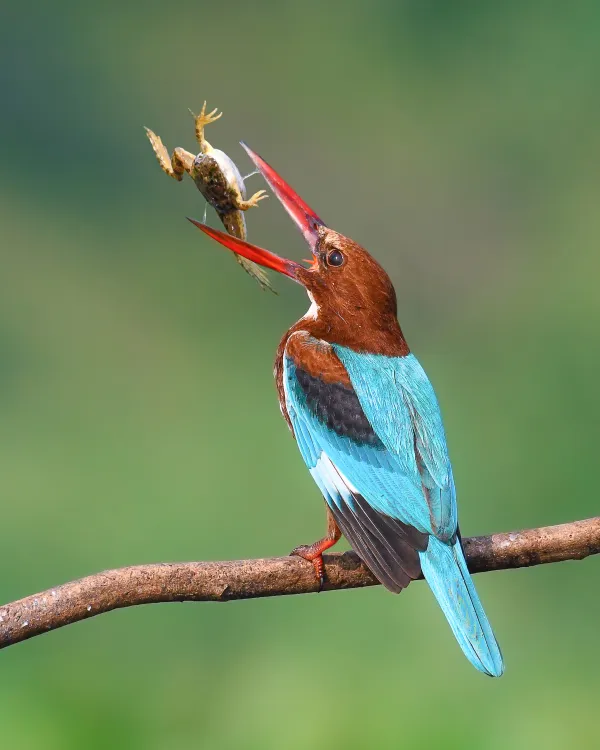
(337, 406)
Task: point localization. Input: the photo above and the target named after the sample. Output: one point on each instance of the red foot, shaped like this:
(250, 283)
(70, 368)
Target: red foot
(314, 554)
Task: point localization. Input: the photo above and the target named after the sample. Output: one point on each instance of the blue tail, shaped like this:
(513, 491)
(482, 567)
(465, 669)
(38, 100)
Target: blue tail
(445, 570)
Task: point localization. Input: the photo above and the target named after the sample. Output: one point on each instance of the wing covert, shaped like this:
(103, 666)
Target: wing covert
(400, 403)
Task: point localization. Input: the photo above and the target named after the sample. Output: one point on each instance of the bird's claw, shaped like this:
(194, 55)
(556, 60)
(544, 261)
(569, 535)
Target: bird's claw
(308, 552)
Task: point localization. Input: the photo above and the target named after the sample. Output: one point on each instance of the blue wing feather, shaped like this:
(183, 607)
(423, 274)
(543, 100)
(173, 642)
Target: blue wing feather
(400, 403)
(379, 475)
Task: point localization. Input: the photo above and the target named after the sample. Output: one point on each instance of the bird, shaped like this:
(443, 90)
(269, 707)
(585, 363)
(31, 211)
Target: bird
(368, 424)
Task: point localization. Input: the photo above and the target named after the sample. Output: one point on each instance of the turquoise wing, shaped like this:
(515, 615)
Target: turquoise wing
(400, 403)
(402, 465)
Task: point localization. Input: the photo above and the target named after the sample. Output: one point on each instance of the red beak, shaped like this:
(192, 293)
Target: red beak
(251, 252)
(304, 217)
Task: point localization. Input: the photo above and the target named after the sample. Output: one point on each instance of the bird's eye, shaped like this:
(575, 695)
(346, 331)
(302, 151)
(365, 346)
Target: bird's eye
(335, 258)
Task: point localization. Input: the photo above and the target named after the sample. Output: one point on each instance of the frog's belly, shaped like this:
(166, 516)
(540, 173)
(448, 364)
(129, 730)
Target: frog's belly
(235, 224)
(218, 179)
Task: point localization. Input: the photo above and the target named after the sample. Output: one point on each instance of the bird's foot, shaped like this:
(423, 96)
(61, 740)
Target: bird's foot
(314, 554)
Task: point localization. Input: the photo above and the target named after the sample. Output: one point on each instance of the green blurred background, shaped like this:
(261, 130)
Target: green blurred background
(457, 141)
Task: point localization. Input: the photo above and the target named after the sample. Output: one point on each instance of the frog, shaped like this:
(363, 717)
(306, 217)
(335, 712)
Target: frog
(218, 179)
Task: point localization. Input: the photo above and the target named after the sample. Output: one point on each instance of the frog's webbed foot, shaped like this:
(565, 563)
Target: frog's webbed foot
(243, 205)
(201, 120)
(180, 161)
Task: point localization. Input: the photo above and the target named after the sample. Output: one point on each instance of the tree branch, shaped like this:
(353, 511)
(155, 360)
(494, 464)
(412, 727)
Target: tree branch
(277, 576)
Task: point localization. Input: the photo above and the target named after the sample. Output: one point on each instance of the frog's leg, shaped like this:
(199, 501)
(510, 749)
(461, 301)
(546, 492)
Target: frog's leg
(243, 205)
(201, 120)
(180, 161)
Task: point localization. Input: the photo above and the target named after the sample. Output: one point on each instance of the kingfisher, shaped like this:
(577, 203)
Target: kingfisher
(368, 425)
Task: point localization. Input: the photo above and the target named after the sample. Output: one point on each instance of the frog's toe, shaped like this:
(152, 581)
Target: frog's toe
(205, 119)
(253, 200)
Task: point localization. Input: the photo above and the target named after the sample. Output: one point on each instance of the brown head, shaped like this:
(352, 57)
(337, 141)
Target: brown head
(353, 299)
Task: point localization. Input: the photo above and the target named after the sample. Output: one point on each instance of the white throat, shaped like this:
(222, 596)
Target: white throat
(313, 311)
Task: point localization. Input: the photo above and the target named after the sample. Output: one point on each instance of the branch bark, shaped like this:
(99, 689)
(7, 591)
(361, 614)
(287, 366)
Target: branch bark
(277, 576)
